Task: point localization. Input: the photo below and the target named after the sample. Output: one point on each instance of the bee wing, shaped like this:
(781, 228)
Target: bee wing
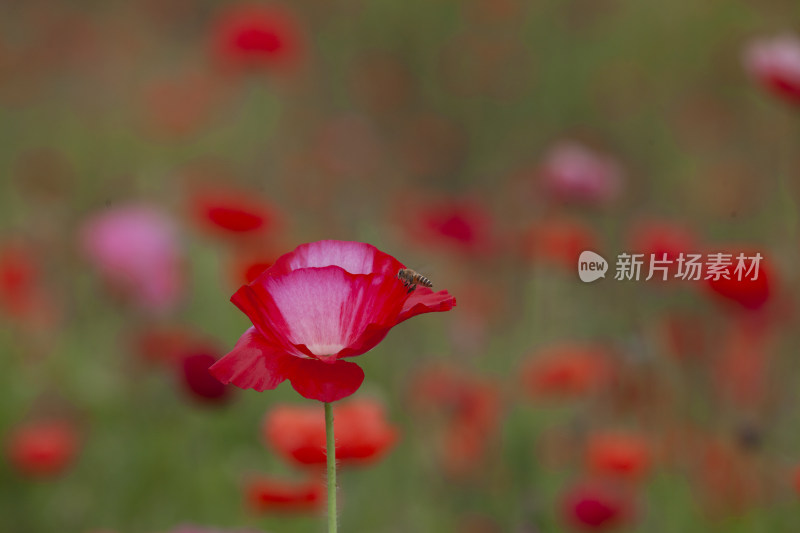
(427, 270)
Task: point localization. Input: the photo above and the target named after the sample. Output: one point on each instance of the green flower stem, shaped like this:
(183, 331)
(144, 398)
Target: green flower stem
(331, 445)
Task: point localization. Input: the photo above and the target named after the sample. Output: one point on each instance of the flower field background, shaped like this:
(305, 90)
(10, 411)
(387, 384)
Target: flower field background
(157, 155)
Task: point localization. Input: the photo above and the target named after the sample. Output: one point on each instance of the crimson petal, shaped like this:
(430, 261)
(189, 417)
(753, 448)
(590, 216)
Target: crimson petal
(424, 300)
(326, 382)
(252, 364)
(353, 257)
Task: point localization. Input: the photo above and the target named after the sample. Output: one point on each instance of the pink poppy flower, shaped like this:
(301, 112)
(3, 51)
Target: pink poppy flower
(775, 64)
(136, 249)
(575, 174)
(317, 305)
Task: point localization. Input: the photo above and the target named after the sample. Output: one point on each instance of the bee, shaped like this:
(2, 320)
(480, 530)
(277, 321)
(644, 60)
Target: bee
(412, 278)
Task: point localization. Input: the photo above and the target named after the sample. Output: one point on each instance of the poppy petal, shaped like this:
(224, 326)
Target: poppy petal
(424, 300)
(326, 382)
(262, 312)
(326, 310)
(254, 363)
(353, 257)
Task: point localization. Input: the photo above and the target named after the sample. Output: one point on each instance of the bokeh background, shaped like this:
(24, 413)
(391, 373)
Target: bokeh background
(157, 154)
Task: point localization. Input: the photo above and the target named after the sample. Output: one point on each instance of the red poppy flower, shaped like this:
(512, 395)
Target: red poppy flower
(796, 479)
(19, 281)
(247, 265)
(315, 306)
(167, 343)
(461, 226)
(471, 407)
(431, 146)
(748, 293)
(199, 382)
(232, 212)
(658, 238)
(251, 37)
(44, 448)
(726, 480)
(180, 106)
(199, 529)
(775, 64)
(560, 242)
(741, 370)
(567, 370)
(619, 455)
(596, 506)
(348, 146)
(684, 336)
(362, 433)
(266, 494)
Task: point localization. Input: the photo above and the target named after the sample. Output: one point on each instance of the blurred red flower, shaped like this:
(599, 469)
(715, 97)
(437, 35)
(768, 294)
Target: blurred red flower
(199, 382)
(265, 494)
(181, 105)
(567, 370)
(470, 407)
(232, 212)
(795, 473)
(167, 343)
(727, 482)
(659, 238)
(775, 64)
(618, 455)
(741, 369)
(136, 248)
(21, 293)
(42, 448)
(348, 146)
(362, 433)
(559, 241)
(685, 336)
(253, 37)
(575, 174)
(247, 264)
(431, 146)
(199, 529)
(748, 293)
(456, 225)
(315, 306)
(596, 506)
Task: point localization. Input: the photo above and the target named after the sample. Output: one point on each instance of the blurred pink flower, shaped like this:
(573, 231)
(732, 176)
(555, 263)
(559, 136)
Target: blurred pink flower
(775, 64)
(575, 174)
(136, 249)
